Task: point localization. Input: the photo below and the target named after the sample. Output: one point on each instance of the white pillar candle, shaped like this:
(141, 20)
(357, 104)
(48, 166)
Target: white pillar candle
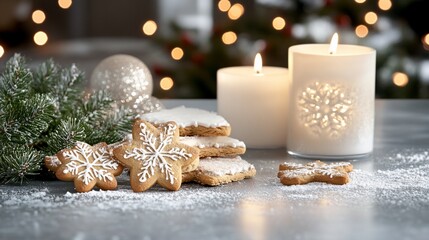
(254, 101)
(331, 111)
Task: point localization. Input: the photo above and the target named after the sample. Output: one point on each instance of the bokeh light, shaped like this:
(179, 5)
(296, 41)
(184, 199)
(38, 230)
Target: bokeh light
(371, 18)
(65, 4)
(361, 31)
(279, 23)
(224, 5)
(38, 16)
(400, 79)
(229, 38)
(1, 51)
(40, 38)
(166, 83)
(236, 11)
(425, 41)
(177, 53)
(360, 1)
(385, 4)
(149, 27)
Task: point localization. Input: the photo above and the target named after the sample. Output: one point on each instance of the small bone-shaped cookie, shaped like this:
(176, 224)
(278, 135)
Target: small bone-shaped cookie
(295, 174)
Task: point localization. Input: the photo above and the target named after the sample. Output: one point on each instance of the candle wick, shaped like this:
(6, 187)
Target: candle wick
(331, 53)
(258, 72)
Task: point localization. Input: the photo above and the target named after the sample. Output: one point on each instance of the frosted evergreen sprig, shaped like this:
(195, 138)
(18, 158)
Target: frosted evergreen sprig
(45, 110)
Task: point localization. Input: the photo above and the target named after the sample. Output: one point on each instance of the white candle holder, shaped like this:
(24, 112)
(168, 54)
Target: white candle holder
(331, 105)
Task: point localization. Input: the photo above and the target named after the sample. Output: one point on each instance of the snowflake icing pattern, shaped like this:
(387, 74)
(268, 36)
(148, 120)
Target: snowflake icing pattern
(325, 108)
(88, 164)
(154, 153)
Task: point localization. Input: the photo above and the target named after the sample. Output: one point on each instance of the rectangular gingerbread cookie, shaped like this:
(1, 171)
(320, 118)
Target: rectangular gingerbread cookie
(191, 121)
(219, 146)
(217, 171)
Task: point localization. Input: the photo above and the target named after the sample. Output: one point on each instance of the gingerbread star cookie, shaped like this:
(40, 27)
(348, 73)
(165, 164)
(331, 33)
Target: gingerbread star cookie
(333, 173)
(88, 166)
(156, 156)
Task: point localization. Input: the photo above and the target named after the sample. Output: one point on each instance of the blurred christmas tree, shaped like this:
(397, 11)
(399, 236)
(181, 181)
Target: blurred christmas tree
(243, 28)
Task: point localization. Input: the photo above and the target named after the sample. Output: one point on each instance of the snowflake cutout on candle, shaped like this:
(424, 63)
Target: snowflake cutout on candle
(325, 108)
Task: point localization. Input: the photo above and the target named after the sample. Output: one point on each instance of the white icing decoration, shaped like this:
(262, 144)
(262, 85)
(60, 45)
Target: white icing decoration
(154, 152)
(87, 167)
(186, 117)
(224, 166)
(216, 142)
(53, 161)
(297, 170)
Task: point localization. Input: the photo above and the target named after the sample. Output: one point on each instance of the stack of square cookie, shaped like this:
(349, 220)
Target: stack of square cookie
(220, 162)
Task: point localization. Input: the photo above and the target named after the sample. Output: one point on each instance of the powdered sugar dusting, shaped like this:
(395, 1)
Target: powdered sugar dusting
(395, 183)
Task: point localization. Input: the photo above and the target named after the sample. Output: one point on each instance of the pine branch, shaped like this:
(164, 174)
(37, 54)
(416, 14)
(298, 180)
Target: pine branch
(18, 162)
(66, 134)
(14, 80)
(24, 120)
(43, 112)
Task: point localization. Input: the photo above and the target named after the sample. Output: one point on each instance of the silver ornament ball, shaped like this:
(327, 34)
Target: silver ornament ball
(127, 79)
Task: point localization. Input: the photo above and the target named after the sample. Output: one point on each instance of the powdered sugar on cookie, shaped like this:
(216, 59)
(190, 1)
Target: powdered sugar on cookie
(224, 166)
(216, 142)
(186, 117)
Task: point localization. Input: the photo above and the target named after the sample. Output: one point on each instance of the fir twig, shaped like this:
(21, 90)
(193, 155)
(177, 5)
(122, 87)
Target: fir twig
(43, 111)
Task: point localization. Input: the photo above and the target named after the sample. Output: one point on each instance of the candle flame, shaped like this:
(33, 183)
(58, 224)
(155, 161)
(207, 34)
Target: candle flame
(258, 63)
(334, 44)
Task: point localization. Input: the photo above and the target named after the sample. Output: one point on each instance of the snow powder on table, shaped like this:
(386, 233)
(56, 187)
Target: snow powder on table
(404, 184)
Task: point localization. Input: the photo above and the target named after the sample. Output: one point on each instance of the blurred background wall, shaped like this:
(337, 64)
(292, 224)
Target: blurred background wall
(187, 41)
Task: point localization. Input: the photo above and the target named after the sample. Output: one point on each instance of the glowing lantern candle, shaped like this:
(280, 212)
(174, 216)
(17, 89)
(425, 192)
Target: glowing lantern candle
(254, 101)
(331, 111)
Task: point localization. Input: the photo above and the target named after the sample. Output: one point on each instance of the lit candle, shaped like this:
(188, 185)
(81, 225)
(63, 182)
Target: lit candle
(254, 101)
(331, 111)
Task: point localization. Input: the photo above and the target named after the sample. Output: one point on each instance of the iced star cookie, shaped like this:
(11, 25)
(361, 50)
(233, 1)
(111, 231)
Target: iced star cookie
(333, 173)
(156, 156)
(217, 171)
(88, 166)
(191, 121)
(220, 146)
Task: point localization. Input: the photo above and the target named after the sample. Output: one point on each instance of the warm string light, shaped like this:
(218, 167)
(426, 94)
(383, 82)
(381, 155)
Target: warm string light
(371, 18)
(1, 51)
(149, 27)
(385, 4)
(177, 53)
(224, 5)
(400, 79)
(65, 4)
(279, 23)
(38, 16)
(236, 11)
(229, 38)
(40, 38)
(361, 31)
(166, 83)
(360, 1)
(425, 40)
